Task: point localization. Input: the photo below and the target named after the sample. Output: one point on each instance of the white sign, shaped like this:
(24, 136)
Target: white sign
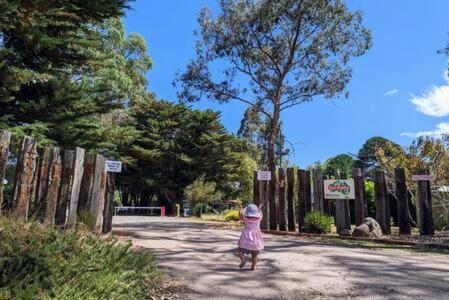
(263, 175)
(5, 181)
(113, 166)
(423, 177)
(339, 189)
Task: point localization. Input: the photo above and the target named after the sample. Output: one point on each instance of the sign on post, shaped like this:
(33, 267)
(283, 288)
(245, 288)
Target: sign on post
(339, 189)
(113, 166)
(264, 175)
(423, 177)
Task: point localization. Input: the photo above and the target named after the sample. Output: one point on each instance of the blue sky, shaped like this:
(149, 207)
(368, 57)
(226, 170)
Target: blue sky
(398, 89)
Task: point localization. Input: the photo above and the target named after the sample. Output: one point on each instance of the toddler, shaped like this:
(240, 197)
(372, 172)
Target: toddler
(251, 241)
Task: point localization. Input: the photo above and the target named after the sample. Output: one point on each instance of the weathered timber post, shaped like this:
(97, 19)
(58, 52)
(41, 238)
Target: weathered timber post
(54, 180)
(5, 139)
(402, 202)
(64, 189)
(85, 192)
(264, 198)
(318, 190)
(109, 202)
(346, 210)
(382, 213)
(282, 223)
(304, 196)
(339, 209)
(256, 189)
(43, 171)
(290, 206)
(359, 202)
(272, 200)
(78, 170)
(425, 205)
(24, 177)
(97, 196)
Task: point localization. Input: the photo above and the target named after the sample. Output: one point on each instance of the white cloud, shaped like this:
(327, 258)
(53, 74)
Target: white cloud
(435, 101)
(442, 128)
(391, 92)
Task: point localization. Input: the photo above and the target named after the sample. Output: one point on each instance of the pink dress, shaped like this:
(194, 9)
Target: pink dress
(251, 237)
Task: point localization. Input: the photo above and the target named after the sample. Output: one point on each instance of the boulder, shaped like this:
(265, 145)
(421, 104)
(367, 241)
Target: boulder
(369, 228)
(345, 232)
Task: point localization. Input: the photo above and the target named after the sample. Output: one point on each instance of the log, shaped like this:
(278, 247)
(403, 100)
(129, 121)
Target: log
(381, 199)
(54, 180)
(340, 220)
(5, 139)
(359, 189)
(272, 200)
(346, 210)
(290, 206)
(282, 223)
(109, 203)
(43, 171)
(85, 192)
(26, 164)
(264, 196)
(78, 170)
(402, 202)
(425, 205)
(304, 196)
(318, 190)
(97, 196)
(64, 190)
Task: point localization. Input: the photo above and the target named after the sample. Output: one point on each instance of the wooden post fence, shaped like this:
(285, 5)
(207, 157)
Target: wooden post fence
(282, 223)
(359, 202)
(256, 189)
(264, 199)
(5, 139)
(318, 190)
(109, 203)
(290, 206)
(304, 196)
(54, 180)
(64, 189)
(78, 171)
(97, 197)
(425, 205)
(382, 202)
(272, 200)
(402, 202)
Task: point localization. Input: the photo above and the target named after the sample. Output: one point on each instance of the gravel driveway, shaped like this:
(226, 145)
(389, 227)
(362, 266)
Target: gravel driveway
(201, 257)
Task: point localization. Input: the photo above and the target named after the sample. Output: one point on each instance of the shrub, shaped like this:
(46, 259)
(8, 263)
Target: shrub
(316, 222)
(87, 218)
(41, 263)
(232, 215)
(201, 208)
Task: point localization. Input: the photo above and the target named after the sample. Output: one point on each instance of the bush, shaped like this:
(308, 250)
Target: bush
(87, 218)
(41, 263)
(233, 215)
(316, 222)
(201, 207)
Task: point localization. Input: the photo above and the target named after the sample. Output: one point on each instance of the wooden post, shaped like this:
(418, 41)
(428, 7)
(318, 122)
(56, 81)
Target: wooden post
(282, 223)
(425, 205)
(5, 139)
(85, 192)
(109, 203)
(256, 189)
(290, 206)
(78, 170)
(43, 172)
(346, 210)
(381, 196)
(97, 196)
(318, 190)
(54, 180)
(264, 197)
(304, 196)
(272, 200)
(359, 189)
(24, 177)
(387, 208)
(402, 202)
(64, 190)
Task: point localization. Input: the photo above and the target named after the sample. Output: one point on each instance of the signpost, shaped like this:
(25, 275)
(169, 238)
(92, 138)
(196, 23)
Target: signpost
(263, 175)
(423, 177)
(113, 166)
(339, 189)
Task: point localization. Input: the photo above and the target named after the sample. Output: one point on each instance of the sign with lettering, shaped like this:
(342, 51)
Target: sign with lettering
(263, 175)
(339, 189)
(423, 177)
(113, 166)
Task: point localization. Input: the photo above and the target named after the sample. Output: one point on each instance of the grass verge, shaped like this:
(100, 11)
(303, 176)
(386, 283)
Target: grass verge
(41, 263)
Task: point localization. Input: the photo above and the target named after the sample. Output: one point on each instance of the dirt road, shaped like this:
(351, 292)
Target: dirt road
(201, 256)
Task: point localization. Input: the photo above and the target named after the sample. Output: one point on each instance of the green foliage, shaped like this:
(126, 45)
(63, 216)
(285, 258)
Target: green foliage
(370, 198)
(41, 263)
(316, 222)
(245, 176)
(343, 162)
(201, 208)
(367, 156)
(201, 191)
(87, 218)
(232, 215)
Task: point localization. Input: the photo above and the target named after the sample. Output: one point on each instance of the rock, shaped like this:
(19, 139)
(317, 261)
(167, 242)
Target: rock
(369, 228)
(345, 232)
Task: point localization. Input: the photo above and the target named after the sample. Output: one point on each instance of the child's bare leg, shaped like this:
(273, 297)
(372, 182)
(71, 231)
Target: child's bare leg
(253, 260)
(242, 259)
